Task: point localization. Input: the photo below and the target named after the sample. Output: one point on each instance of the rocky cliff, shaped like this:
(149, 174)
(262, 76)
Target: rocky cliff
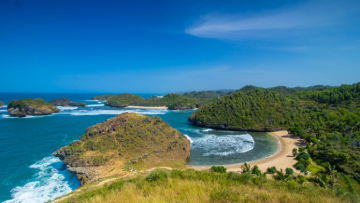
(66, 102)
(2, 103)
(126, 142)
(24, 107)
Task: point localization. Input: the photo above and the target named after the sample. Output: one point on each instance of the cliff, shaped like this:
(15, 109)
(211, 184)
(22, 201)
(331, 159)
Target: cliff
(24, 107)
(66, 102)
(126, 142)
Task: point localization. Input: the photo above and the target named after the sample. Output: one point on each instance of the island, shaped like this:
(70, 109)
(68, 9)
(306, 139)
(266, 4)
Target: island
(103, 97)
(24, 107)
(2, 103)
(66, 102)
(130, 142)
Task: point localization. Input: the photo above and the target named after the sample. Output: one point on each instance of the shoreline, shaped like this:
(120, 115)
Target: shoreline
(146, 107)
(282, 158)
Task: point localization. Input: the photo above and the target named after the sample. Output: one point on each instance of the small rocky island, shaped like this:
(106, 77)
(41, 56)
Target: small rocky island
(2, 103)
(66, 102)
(127, 142)
(103, 97)
(24, 107)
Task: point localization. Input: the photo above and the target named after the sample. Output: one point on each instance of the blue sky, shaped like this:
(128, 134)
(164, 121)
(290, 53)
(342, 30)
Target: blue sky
(165, 46)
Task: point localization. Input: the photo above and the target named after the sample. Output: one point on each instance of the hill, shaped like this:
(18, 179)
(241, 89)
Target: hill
(66, 102)
(24, 107)
(128, 142)
(103, 97)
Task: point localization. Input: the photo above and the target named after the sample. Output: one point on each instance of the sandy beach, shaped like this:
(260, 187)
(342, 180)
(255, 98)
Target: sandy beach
(146, 107)
(283, 158)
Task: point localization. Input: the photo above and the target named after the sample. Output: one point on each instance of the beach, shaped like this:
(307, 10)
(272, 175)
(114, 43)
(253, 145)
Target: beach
(282, 159)
(146, 107)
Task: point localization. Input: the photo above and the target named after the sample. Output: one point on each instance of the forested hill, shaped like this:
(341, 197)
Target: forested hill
(207, 94)
(328, 120)
(284, 89)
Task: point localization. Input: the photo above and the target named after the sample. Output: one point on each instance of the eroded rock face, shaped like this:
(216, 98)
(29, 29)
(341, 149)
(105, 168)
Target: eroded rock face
(2, 103)
(24, 107)
(129, 140)
(66, 102)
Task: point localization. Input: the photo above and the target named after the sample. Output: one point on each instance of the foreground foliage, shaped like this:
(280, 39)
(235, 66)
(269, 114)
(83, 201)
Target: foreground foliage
(206, 186)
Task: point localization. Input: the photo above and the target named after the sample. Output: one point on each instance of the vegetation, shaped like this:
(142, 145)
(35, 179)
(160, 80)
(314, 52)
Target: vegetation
(24, 107)
(103, 97)
(284, 89)
(129, 142)
(210, 186)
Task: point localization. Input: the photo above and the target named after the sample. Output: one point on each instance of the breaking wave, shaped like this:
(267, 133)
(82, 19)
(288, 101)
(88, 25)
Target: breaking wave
(51, 181)
(223, 145)
(92, 105)
(189, 138)
(111, 112)
(63, 108)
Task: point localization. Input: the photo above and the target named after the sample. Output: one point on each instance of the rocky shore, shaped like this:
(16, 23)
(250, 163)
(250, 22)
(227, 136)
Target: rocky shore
(24, 107)
(66, 102)
(2, 103)
(127, 142)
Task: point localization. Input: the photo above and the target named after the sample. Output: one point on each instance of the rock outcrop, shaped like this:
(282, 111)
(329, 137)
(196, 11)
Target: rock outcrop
(24, 107)
(66, 102)
(2, 103)
(127, 142)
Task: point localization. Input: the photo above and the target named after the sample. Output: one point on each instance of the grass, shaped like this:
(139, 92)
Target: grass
(314, 168)
(204, 186)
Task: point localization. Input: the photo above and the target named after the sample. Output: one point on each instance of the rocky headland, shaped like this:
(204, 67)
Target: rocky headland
(24, 107)
(66, 102)
(2, 103)
(103, 97)
(127, 142)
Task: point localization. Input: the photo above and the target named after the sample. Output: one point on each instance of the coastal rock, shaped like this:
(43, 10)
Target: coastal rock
(127, 140)
(24, 107)
(66, 102)
(2, 103)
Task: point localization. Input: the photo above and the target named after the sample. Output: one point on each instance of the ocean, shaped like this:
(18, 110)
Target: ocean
(29, 172)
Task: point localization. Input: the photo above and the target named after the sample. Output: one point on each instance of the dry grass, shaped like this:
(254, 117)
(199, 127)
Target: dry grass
(190, 186)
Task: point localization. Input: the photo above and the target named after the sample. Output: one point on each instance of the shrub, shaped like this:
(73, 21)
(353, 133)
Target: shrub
(218, 169)
(301, 149)
(302, 155)
(255, 170)
(289, 171)
(295, 152)
(157, 175)
(271, 170)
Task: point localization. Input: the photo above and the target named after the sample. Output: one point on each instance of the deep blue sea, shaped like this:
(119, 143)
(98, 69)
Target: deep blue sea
(29, 173)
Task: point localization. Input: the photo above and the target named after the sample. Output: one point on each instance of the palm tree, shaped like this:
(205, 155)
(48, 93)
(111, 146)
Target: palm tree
(281, 176)
(246, 168)
(323, 179)
(331, 172)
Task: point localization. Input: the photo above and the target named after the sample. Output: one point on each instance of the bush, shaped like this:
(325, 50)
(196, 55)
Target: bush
(157, 175)
(302, 155)
(218, 169)
(295, 152)
(301, 149)
(289, 171)
(271, 170)
(255, 170)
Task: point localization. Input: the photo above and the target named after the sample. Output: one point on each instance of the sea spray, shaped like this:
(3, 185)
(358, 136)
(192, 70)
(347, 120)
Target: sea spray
(52, 180)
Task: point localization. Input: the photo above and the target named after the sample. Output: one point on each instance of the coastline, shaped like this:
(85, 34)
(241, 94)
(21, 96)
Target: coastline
(146, 107)
(282, 159)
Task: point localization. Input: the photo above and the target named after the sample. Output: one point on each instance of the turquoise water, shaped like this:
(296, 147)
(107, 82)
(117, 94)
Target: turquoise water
(29, 173)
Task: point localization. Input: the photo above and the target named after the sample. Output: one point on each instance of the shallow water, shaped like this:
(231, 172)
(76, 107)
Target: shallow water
(29, 173)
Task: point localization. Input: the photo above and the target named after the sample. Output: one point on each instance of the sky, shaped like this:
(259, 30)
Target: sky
(171, 46)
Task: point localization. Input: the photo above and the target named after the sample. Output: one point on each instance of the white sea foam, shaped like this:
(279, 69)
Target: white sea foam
(224, 145)
(14, 117)
(112, 112)
(4, 106)
(51, 181)
(99, 102)
(3, 110)
(207, 130)
(189, 138)
(63, 108)
(91, 105)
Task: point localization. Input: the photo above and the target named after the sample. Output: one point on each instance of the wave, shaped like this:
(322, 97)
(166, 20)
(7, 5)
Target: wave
(207, 130)
(224, 145)
(189, 138)
(111, 112)
(3, 110)
(28, 116)
(51, 181)
(3, 106)
(63, 108)
(92, 105)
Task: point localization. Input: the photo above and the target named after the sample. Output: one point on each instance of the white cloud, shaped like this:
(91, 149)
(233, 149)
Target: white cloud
(270, 23)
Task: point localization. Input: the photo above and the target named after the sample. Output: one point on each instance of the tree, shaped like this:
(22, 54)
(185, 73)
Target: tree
(255, 170)
(295, 151)
(246, 168)
(289, 171)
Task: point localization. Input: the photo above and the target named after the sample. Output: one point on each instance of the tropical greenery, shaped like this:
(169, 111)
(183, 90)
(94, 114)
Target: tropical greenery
(103, 97)
(211, 186)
